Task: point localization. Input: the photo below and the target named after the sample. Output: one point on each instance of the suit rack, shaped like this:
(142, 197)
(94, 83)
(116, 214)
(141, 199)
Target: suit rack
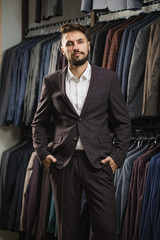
(55, 27)
(92, 18)
(146, 123)
(147, 8)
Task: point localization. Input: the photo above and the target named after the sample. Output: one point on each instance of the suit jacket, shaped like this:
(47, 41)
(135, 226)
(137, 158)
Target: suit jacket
(104, 100)
(136, 73)
(133, 32)
(122, 185)
(136, 193)
(99, 43)
(108, 41)
(115, 44)
(123, 44)
(150, 216)
(151, 92)
(112, 5)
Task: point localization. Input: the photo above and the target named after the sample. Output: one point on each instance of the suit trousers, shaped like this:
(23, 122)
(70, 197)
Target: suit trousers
(68, 184)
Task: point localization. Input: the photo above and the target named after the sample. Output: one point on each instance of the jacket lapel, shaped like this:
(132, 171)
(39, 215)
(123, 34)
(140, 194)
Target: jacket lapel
(61, 81)
(92, 87)
(91, 90)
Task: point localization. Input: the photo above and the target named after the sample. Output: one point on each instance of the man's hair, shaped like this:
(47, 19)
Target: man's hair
(70, 27)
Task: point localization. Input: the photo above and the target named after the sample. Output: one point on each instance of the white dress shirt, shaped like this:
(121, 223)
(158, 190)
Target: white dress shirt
(76, 90)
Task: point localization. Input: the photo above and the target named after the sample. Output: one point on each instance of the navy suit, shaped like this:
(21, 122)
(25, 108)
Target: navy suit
(122, 187)
(44, 64)
(136, 194)
(20, 65)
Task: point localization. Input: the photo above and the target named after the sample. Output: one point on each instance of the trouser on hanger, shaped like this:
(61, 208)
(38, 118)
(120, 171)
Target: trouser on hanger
(68, 185)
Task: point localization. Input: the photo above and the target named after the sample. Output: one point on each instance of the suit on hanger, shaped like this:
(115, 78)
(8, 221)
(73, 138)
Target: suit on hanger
(112, 5)
(122, 186)
(116, 5)
(21, 64)
(7, 87)
(133, 31)
(136, 73)
(115, 44)
(151, 94)
(51, 8)
(136, 193)
(149, 223)
(122, 51)
(113, 26)
(99, 43)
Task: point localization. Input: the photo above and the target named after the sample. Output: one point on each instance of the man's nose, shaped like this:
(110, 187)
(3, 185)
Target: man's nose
(76, 47)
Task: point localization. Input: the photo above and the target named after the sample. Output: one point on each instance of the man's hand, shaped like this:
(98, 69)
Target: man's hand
(112, 163)
(47, 161)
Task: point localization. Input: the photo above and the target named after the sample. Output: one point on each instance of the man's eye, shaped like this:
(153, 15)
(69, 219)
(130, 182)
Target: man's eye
(69, 44)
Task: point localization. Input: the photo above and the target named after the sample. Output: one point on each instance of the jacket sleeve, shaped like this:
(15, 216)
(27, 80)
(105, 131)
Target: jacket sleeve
(120, 122)
(41, 123)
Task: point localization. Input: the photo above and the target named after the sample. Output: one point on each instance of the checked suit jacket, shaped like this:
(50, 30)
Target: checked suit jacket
(104, 103)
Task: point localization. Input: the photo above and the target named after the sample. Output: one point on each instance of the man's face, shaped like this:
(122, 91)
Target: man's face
(75, 47)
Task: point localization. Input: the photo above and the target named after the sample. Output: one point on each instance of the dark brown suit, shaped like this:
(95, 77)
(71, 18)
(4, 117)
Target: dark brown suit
(104, 101)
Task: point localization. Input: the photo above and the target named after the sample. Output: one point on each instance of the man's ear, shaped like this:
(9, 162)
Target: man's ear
(62, 50)
(89, 45)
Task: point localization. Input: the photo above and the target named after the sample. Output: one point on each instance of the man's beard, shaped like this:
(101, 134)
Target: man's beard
(78, 62)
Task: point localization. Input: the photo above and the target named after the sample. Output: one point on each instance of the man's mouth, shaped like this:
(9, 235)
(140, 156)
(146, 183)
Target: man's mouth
(77, 54)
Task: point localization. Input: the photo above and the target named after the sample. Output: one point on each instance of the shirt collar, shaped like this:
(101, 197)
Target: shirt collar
(85, 75)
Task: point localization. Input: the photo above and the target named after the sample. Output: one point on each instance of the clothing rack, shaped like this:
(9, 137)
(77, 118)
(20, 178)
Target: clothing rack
(147, 7)
(146, 123)
(92, 18)
(55, 27)
(148, 134)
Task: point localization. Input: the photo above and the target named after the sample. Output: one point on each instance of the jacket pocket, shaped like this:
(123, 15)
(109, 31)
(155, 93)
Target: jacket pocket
(104, 139)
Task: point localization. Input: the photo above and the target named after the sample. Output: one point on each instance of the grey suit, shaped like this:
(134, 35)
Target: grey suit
(112, 5)
(116, 5)
(51, 8)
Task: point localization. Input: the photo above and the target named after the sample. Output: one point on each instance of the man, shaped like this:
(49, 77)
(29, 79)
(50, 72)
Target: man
(82, 98)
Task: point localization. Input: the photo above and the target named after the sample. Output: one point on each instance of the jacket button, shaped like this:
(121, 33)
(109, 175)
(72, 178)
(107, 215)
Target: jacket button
(75, 138)
(80, 119)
